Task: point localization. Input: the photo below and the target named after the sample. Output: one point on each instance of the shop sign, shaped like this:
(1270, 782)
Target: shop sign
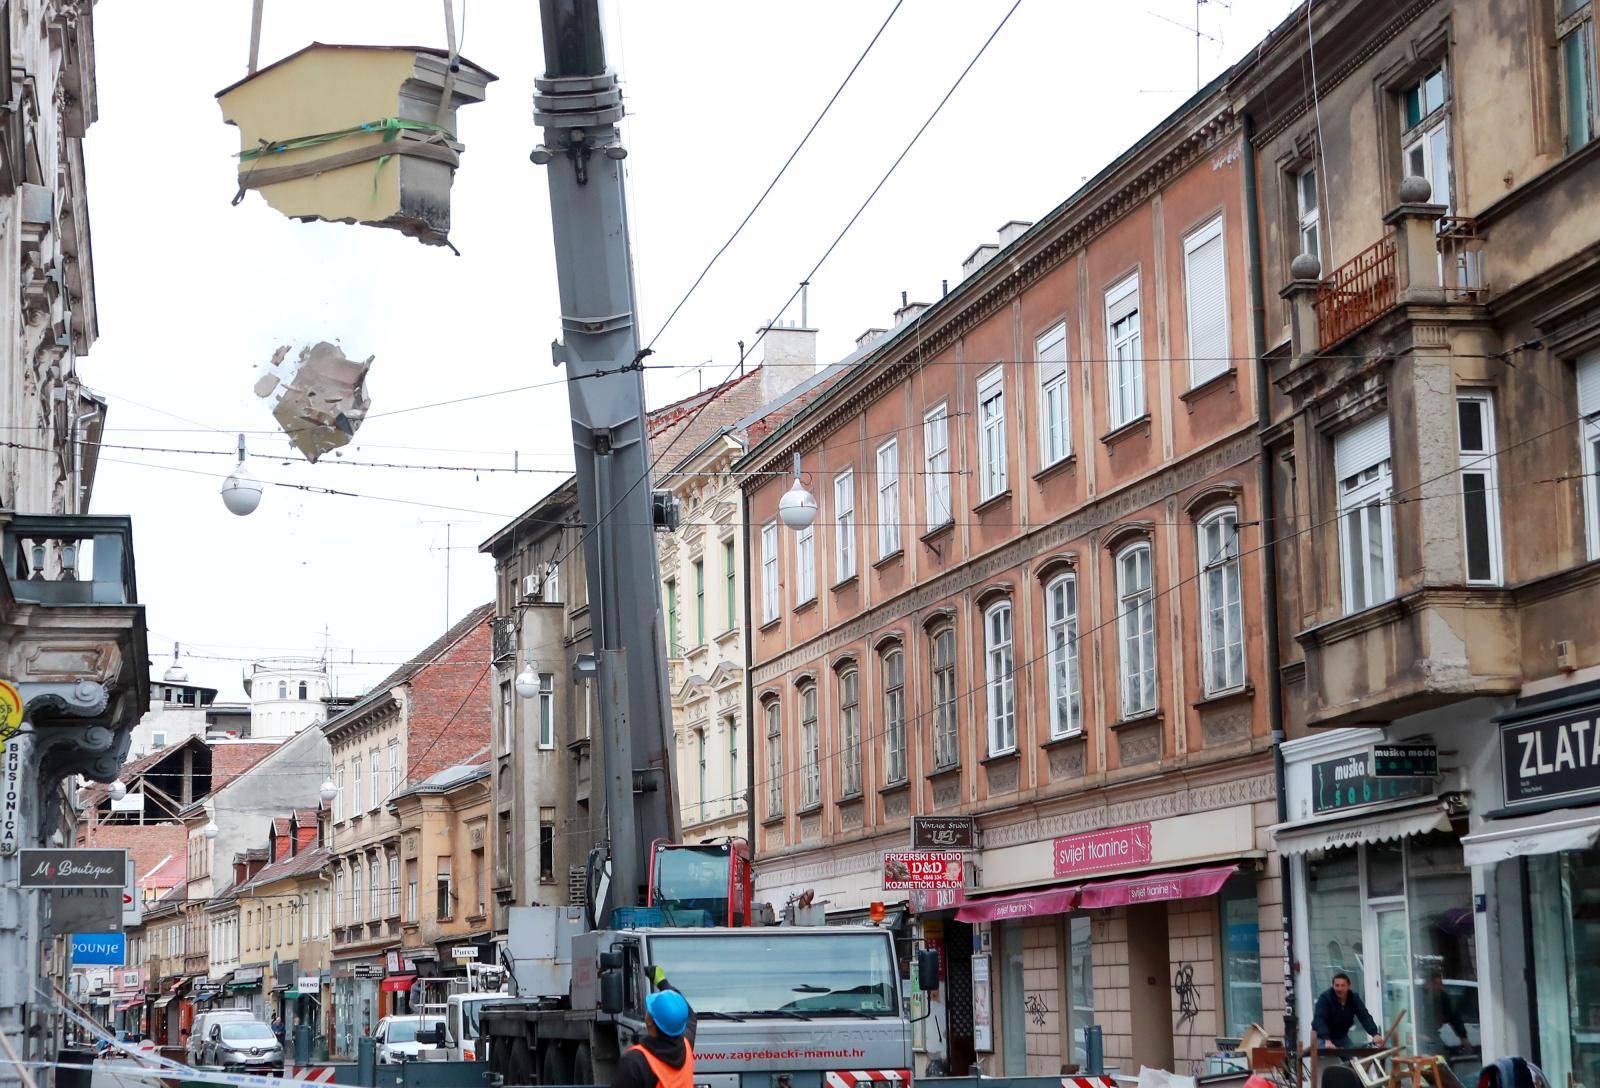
(74, 868)
(982, 1022)
(86, 910)
(11, 797)
(924, 900)
(1405, 761)
(308, 984)
(247, 974)
(1095, 851)
(10, 710)
(463, 952)
(99, 949)
(944, 833)
(391, 962)
(1556, 756)
(1348, 782)
(906, 869)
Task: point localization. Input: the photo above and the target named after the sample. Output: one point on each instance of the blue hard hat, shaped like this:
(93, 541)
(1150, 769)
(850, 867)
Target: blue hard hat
(669, 1011)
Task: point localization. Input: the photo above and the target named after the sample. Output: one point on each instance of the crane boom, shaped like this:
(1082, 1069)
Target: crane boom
(578, 104)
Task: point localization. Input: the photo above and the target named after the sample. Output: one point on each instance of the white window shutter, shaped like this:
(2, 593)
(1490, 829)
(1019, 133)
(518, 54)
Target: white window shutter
(1361, 447)
(1589, 384)
(1122, 300)
(1052, 352)
(1206, 285)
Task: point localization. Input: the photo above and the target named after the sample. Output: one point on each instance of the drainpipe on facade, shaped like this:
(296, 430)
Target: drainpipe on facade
(1269, 613)
(749, 691)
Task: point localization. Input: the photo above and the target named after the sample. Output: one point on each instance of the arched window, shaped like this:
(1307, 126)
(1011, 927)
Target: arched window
(1221, 611)
(999, 678)
(773, 713)
(944, 697)
(894, 716)
(1136, 627)
(849, 732)
(302, 689)
(283, 689)
(1061, 630)
(810, 749)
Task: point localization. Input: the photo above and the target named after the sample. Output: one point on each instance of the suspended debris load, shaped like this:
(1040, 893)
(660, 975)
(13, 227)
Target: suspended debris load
(355, 134)
(321, 396)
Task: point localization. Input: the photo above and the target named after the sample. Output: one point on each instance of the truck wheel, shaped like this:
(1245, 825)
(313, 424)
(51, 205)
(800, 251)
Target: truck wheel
(555, 1069)
(582, 1065)
(518, 1062)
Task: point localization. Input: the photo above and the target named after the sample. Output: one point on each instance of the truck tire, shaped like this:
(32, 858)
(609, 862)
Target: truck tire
(583, 1065)
(518, 1058)
(555, 1068)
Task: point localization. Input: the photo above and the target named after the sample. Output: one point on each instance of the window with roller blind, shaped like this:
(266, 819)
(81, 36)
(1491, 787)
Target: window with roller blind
(1206, 299)
(991, 434)
(1366, 513)
(1589, 409)
(1124, 355)
(1050, 354)
(844, 521)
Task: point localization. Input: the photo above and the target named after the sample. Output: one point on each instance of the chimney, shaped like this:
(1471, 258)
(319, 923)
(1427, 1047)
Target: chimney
(788, 357)
(869, 337)
(1011, 230)
(908, 310)
(978, 258)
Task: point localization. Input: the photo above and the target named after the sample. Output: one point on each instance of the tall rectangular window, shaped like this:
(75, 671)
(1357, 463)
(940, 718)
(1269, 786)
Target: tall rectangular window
(849, 733)
(888, 498)
(731, 594)
(1575, 27)
(394, 767)
(844, 525)
(338, 797)
(1589, 409)
(1425, 144)
(377, 888)
(1061, 618)
(479, 889)
(805, 565)
(394, 884)
(355, 891)
(1205, 283)
(1241, 939)
(547, 710)
(1124, 356)
(773, 715)
(1000, 680)
(672, 618)
(894, 717)
(944, 698)
(507, 716)
(1221, 607)
(355, 787)
(700, 765)
(936, 465)
(991, 434)
(699, 602)
(1480, 492)
(1366, 514)
(769, 572)
(1308, 208)
(377, 780)
(338, 898)
(444, 900)
(1136, 623)
(547, 846)
(810, 749)
(735, 790)
(1055, 436)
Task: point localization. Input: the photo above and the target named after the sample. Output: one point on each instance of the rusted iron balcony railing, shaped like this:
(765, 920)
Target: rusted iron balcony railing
(69, 560)
(1359, 292)
(1461, 259)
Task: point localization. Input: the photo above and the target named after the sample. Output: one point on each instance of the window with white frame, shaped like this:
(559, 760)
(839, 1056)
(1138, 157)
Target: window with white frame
(1050, 354)
(547, 710)
(1425, 127)
(1575, 29)
(769, 572)
(338, 795)
(377, 780)
(805, 565)
(551, 589)
(394, 885)
(507, 715)
(338, 898)
(355, 891)
(991, 434)
(1221, 602)
(1124, 356)
(1000, 680)
(888, 498)
(1366, 514)
(1308, 208)
(394, 767)
(844, 525)
(849, 732)
(810, 749)
(1480, 491)
(377, 888)
(1061, 629)
(894, 716)
(774, 718)
(936, 465)
(945, 750)
(1136, 629)
(1205, 283)
(355, 787)
(1589, 409)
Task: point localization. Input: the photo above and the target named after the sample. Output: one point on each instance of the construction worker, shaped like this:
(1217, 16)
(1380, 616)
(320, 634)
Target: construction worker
(665, 1057)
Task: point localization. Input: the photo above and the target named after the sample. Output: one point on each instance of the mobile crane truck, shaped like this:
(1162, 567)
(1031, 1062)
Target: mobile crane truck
(795, 1006)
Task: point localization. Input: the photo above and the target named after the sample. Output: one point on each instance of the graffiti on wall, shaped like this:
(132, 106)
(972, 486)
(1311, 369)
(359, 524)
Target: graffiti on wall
(1188, 997)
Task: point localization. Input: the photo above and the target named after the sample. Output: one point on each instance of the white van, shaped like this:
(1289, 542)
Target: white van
(204, 1022)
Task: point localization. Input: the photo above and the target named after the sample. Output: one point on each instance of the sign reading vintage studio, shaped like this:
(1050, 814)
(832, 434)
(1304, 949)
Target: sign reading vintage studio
(1554, 757)
(1348, 782)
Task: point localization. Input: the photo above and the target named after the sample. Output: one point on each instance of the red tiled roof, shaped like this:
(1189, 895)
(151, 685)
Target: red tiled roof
(232, 759)
(148, 844)
(432, 652)
(307, 861)
(677, 429)
(169, 874)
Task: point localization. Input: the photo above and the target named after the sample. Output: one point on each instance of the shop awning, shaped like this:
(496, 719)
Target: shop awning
(1301, 838)
(1525, 836)
(1192, 884)
(165, 1000)
(1026, 905)
(124, 1006)
(397, 983)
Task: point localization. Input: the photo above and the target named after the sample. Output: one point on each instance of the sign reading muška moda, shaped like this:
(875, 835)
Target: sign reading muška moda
(1553, 757)
(1348, 782)
(68, 868)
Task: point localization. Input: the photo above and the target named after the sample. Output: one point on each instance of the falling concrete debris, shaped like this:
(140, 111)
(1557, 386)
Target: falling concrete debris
(321, 396)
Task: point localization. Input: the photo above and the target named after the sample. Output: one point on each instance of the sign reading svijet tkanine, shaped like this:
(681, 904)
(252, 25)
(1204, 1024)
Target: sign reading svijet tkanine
(66, 868)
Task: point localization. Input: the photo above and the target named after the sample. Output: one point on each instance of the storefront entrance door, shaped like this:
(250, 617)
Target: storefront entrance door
(1149, 982)
(1394, 980)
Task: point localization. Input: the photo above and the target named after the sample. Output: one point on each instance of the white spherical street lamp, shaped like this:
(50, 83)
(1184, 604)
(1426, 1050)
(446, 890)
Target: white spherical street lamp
(211, 830)
(117, 790)
(328, 791)
(527, 682)
(241, 492)
(798, 507)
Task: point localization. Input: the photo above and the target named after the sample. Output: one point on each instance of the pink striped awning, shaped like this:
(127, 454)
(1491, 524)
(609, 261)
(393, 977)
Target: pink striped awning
(1193, 884)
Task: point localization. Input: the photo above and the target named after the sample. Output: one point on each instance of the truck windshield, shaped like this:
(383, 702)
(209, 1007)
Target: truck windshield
(692, 878)
(804, 974)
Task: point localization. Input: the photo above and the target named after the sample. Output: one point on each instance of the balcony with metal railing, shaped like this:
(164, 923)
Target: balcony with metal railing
(1358, 292)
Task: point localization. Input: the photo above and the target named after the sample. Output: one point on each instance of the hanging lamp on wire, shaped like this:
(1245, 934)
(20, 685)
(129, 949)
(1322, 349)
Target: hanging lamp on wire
(798, 507)
(241, 492)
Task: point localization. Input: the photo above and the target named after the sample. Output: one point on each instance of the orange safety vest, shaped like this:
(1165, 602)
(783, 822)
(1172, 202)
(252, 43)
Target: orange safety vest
(667, 1076)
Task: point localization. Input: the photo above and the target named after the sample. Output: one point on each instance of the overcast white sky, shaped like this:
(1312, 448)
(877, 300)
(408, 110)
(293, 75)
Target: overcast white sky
(194, 294)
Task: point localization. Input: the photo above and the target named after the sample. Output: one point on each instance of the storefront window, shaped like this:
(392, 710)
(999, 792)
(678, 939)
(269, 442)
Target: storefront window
(1443, 950)
(1081, 968)
(1333, 900)
(1012, 1028)
(1564, 899)
(1241, 965)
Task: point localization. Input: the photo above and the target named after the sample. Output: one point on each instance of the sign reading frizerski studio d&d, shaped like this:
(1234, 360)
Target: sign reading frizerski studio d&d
(907, 869)
(67, 868)
(1553, 758)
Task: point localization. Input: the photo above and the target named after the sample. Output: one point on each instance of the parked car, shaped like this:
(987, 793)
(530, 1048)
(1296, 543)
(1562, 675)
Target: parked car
(243, 1045)
(397, 1041)
(200, 1030)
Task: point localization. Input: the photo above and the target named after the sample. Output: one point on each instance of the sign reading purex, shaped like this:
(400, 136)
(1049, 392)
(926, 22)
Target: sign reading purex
(1553, 757)
(75, 869)
(944, 833)
(1338, 784)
